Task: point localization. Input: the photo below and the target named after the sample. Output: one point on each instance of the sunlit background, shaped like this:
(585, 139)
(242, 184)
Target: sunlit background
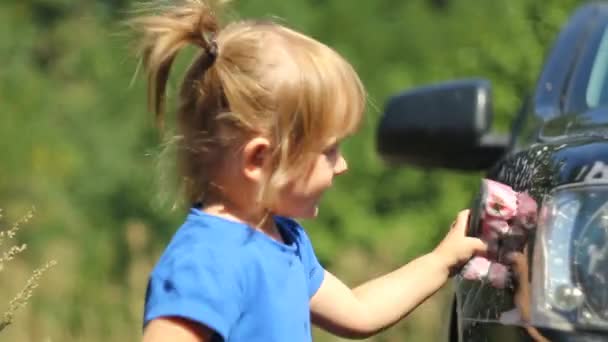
(78, 144)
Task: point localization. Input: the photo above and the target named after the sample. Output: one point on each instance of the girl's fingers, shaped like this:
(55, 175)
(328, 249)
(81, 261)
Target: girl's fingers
(478, 246)
(461, 221)
(463, 214)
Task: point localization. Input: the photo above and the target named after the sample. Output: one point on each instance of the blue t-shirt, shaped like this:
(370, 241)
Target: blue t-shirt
(237, 281)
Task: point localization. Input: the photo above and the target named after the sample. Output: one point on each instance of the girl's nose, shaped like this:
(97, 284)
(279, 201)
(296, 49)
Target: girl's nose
(341, 165)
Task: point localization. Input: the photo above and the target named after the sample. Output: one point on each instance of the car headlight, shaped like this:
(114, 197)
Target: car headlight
(570, 280)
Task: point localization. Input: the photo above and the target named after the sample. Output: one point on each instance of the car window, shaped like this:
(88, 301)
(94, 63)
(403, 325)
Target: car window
(588, 87)
(597, 88)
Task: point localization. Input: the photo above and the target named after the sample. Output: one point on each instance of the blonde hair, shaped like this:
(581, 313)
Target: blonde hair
(251, 78)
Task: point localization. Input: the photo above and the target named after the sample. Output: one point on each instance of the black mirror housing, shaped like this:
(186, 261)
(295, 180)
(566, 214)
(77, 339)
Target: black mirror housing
(444, 125)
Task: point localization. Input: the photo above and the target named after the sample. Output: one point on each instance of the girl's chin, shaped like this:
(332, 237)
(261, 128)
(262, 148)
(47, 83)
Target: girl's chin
(308, 213)
(302, 211)
(315, 211)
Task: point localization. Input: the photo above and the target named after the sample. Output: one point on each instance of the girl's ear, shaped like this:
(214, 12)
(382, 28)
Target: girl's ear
(254, 156)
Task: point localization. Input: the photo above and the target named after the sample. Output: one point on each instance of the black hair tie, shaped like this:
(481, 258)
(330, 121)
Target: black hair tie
(212, 48)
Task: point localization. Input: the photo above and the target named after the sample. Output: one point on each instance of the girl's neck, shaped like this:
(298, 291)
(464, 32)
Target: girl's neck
(262, 222)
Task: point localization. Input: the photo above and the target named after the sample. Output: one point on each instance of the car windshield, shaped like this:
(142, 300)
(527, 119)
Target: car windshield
(597, 89)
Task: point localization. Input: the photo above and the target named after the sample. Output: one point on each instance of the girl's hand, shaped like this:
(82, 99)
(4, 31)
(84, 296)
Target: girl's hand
(456, 248)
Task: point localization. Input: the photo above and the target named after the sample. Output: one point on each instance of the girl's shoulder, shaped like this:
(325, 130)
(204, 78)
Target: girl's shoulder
(204, 241)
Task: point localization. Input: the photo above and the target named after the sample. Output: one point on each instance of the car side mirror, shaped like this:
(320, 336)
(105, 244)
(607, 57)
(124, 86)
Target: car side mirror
(443, 126)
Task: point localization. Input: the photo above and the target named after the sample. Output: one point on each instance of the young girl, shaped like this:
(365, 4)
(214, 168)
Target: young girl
(262, 111)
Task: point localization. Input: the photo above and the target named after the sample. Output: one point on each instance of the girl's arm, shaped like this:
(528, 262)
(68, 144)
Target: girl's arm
(176, 329)
(380, 303)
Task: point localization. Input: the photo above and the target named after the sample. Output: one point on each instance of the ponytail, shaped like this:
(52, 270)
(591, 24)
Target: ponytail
(164, 35)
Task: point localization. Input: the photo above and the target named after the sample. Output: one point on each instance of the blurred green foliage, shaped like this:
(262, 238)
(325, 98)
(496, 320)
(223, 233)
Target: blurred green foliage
(78, 143)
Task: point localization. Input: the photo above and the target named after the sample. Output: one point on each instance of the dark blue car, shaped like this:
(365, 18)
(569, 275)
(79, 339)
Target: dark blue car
(558, 153)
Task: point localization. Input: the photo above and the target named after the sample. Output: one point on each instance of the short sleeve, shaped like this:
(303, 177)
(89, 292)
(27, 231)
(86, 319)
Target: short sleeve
(199, 287)
(316, 272)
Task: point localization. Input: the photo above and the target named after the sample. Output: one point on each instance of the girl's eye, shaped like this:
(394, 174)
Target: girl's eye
(331, 150)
